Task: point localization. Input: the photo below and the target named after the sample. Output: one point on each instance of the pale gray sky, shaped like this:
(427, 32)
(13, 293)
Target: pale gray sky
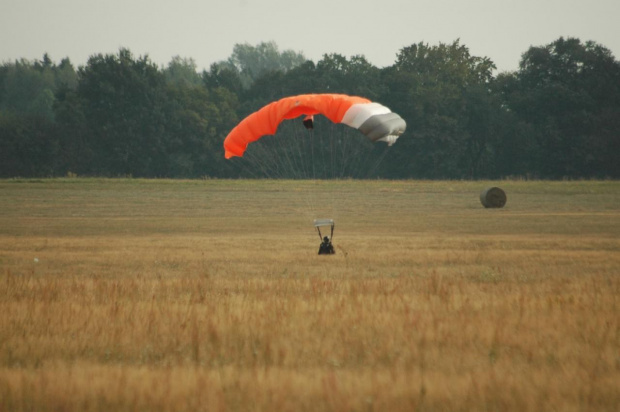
(207, 30)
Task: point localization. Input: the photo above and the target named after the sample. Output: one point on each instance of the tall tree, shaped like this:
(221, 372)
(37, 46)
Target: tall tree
(182, 70)
(123, 101)
(223, 75)
(27, 146)
(28, 90)
(254, 61)
(28, 87)
(355, 75)
(442, 92)
(569, 92)
(197, 120)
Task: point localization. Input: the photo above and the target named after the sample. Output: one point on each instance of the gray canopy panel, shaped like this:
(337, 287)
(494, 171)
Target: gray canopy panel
(382, 125)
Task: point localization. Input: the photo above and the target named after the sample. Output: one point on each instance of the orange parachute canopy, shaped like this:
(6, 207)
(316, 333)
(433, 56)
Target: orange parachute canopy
(372, 119)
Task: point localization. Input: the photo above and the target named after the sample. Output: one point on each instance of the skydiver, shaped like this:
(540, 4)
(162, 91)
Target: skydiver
(309, 122)
(326, 247)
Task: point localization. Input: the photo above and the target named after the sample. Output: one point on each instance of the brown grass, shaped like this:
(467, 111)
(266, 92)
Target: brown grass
(209, 296)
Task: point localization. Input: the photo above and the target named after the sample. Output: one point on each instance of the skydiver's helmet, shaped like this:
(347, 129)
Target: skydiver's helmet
(326, 239)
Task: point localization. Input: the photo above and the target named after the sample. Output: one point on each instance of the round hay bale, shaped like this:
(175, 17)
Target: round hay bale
(493, 197)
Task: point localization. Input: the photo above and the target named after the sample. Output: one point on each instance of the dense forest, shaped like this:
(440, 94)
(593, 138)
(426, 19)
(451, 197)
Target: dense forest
(557, 116)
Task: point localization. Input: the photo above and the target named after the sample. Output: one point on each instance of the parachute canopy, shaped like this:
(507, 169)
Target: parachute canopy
(323, 222)
(374, 120)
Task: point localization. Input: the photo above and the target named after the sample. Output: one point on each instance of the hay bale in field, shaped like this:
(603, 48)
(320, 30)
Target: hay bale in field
(493, 197)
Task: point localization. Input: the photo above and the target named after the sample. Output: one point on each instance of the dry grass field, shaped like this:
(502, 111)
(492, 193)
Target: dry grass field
(162, 295)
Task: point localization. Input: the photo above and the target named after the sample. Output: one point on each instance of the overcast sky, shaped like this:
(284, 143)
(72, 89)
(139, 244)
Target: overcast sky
(207, 30)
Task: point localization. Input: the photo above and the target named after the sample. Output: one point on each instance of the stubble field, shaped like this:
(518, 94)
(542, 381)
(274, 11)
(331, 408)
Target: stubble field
(162, 295)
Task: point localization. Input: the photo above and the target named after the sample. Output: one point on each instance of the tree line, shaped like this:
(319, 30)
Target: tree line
(557, 116)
